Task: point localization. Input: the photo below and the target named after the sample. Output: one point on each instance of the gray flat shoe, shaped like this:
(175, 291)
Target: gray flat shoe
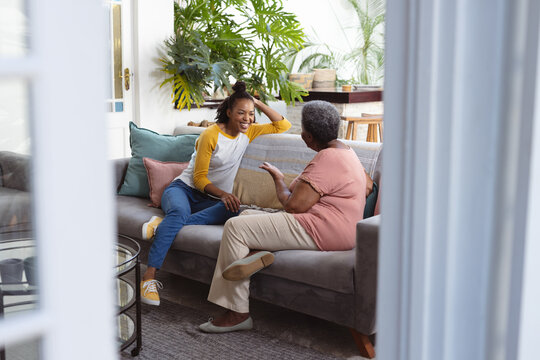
(244, 268)
(208, 327)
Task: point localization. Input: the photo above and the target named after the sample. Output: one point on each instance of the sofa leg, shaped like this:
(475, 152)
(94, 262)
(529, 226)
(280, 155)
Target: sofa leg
(363, 343)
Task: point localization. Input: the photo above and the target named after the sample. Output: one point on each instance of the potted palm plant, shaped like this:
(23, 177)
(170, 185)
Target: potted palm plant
(366, 56)
(217, 41)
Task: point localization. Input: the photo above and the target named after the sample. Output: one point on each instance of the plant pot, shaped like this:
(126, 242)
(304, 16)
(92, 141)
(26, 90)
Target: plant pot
(220, 94)
(324, 78)
(11, 271)
(30, 269)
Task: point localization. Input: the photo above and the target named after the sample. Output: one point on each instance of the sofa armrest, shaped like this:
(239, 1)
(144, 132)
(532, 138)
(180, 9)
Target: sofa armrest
(365, 273)
(120, 168)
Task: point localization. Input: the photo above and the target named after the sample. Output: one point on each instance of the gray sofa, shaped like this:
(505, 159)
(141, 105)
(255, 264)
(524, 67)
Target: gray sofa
(15, 209)
(336, 286)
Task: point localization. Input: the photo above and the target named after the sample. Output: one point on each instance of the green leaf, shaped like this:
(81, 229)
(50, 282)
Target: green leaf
(216, 41)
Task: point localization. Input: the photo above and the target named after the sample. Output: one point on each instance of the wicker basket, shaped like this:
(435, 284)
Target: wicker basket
(304, 80)
(324, 78)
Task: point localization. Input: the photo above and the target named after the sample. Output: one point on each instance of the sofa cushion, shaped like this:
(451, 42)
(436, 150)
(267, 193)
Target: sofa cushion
(160, 175)
(304, 266)
(131, 213)
(199, 239)
(371, 201)
(15, 170)
(15, 207)
(377, 209)
(290, 154)
(186, 129)
(147, 143)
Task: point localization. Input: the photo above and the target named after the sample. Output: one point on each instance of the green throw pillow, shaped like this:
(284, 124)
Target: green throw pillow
(147, 143)
(371, 201)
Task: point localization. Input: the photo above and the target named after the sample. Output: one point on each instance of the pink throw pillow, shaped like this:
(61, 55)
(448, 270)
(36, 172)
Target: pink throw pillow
(160, 175)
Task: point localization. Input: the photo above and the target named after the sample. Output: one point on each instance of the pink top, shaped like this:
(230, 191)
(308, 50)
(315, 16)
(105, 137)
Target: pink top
(338, 176)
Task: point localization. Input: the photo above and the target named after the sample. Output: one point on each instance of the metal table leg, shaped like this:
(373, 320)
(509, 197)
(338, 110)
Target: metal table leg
(137, 349)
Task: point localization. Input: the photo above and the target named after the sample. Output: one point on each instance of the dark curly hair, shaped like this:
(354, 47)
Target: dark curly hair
(239, 93)
(321, 119)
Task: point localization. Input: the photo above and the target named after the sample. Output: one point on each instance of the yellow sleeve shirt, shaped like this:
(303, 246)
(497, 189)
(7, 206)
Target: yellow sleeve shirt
(217, 155)
(274, 127)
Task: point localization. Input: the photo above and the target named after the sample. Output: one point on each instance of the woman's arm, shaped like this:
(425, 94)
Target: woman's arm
(302, 198)
(272, 114)
(205, 146)
(232, 203)
(278, 123)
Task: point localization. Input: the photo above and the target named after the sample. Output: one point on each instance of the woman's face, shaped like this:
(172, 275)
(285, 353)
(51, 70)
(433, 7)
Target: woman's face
(241, 115)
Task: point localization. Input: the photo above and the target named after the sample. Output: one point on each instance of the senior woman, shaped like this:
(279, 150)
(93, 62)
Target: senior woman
(322, 206)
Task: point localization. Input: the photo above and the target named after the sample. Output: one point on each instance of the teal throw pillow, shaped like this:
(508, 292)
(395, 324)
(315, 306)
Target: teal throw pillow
(371, 201)
(147, 143)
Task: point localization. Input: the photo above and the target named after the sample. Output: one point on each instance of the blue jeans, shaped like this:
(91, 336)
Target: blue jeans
(184, 205)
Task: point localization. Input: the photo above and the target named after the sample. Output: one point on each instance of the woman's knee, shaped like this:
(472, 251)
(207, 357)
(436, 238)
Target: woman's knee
(223, 210)
(228, 227)
(232, 227)
(176, 207)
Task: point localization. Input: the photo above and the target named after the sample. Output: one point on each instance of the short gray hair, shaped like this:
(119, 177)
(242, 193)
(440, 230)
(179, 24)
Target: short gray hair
(321, 120)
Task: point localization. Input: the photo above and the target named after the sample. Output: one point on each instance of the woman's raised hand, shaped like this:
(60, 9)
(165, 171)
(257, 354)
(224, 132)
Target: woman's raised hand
(274, 171)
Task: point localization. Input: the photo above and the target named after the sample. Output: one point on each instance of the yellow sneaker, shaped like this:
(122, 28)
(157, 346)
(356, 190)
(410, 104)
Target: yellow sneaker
(149, 291)
(149, 228)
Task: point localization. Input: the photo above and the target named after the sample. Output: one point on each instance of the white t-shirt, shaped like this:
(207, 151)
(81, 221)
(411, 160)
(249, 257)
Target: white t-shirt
(218, 155)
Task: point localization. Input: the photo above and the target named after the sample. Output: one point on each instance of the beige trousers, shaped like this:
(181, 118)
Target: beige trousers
(253, 230)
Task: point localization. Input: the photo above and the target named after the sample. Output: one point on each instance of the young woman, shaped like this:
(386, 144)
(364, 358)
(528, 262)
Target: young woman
(202, 194)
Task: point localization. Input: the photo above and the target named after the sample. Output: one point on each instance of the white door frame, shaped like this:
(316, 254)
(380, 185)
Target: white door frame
(118, 122)
(459, 104)
(72, 183)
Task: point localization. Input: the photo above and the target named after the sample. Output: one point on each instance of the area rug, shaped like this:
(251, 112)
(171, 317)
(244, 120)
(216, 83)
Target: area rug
(170, 331)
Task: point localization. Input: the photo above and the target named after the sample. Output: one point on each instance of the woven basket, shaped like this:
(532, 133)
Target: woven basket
(324, 78)
(304, 80)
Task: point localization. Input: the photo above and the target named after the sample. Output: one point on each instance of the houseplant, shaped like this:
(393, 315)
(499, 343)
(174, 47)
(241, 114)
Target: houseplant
(217, 41)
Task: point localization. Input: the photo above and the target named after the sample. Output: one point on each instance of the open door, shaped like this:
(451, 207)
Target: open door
(120, 77)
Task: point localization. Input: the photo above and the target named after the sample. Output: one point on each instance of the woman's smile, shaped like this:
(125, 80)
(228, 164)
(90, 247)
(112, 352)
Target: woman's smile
(241, 116)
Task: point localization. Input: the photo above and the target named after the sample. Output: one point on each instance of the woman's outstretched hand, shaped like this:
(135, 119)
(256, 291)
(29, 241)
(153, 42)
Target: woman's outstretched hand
(276, 174)
(232, 203)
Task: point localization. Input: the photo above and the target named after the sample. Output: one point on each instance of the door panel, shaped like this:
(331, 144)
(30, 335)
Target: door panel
(58, 185)
(120, 91)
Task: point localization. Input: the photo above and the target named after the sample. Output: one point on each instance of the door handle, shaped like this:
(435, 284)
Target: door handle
(127, 77)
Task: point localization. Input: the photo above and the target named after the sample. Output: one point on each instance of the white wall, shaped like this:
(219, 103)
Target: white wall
(153, 24)
(14, 133)
(326, 21)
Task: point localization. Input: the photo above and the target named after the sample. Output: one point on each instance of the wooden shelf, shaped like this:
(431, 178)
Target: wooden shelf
(345, 97)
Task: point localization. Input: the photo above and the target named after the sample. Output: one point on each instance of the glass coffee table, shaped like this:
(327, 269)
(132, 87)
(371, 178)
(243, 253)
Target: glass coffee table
(21, 294)
(128, 293)
(18, 290)
(17, 273)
